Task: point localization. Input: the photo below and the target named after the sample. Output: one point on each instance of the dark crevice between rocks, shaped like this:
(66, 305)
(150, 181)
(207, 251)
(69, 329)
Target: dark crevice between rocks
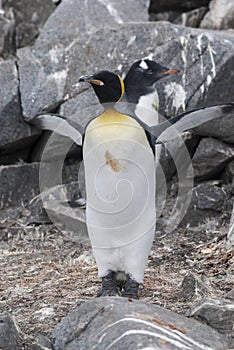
(174, 10)
(176, 5)
(19, 91)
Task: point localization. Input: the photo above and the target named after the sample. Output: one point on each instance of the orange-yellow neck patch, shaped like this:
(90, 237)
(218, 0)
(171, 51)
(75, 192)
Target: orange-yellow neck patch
(122, 88)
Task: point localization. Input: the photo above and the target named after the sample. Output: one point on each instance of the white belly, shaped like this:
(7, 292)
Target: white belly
(120, 187)
(147, 108)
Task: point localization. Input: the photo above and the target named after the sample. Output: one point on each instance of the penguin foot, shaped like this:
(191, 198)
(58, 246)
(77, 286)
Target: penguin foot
(130, 289)
(109, 286)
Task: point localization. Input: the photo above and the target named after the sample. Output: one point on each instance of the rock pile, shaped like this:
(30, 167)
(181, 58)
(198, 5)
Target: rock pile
(211, 14)
(46, 46)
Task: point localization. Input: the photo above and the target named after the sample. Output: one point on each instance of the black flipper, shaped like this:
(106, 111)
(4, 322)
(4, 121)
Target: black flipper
(168, 130)
(60, 125)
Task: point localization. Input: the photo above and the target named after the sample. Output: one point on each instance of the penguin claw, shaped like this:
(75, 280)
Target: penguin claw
(109, 285)
(130, 289)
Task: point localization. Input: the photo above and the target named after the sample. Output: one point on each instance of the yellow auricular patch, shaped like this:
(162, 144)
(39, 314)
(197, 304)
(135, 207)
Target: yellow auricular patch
(122, 88)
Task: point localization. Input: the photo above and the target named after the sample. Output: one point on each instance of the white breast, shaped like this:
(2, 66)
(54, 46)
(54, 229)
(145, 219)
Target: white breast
(147, 107)
(120, 186)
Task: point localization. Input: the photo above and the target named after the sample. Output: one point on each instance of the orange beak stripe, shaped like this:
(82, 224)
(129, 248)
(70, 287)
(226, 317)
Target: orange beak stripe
(171, 71)
(95, 82)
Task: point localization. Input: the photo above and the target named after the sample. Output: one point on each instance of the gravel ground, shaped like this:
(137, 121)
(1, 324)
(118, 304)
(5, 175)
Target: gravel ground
(44, 275)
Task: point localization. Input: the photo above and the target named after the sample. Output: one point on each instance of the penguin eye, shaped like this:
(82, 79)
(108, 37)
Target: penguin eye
(150, 72)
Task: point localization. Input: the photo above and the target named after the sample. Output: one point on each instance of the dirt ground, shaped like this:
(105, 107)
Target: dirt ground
(44, 275)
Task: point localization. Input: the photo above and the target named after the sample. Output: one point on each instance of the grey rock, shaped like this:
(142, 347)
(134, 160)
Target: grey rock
(211, 157)
(190, 18)
(169, 16)
(70, 220)
(230, 235)
(193, 18)
(221, 128)
(49, 71)
(230, 295)
(29, 18)
(36, 210)
(15, 133)
(218, 88)
(10, 335)
(9, 215)
(74, 18)
(20, 183)
(50, 205)
(228, 175)
(52, 146)
(218, 313)
(192, 288)
(43, 342)
(196, 217)
(7, 30)
(168, 160)
(220, 15)
(209, 196)
(114, 323)
(34, 213)
(15, 155)
(82, 108)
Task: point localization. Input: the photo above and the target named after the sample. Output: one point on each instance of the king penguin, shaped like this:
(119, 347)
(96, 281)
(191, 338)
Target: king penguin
(120, 188)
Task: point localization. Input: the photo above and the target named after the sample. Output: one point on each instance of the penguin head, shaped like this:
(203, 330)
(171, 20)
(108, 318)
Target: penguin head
(145, 73)
(108, 86)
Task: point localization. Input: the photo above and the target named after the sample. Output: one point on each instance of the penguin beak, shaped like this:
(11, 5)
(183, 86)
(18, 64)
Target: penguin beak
(91, 79)
(171, 71)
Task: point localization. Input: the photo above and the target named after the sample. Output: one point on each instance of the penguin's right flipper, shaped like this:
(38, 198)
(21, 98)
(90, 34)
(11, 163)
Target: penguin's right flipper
(60, 125)
(190, 120)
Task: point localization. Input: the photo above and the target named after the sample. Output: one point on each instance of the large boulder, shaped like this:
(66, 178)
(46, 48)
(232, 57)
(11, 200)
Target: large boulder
(218, 313)
(219, 16)
(119, 323)
(75, 18)
(20, 183)
(29, 18)
(221, 128)
(211, 14)
(49, 71)
(209, 196)
(10, 335)
(211, 157)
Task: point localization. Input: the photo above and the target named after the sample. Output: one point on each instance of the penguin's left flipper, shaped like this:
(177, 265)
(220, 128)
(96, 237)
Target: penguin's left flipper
(60, 125)
(168, 130)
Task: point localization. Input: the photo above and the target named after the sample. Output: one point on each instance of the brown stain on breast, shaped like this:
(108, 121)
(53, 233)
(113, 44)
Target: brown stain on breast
(112, 162)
